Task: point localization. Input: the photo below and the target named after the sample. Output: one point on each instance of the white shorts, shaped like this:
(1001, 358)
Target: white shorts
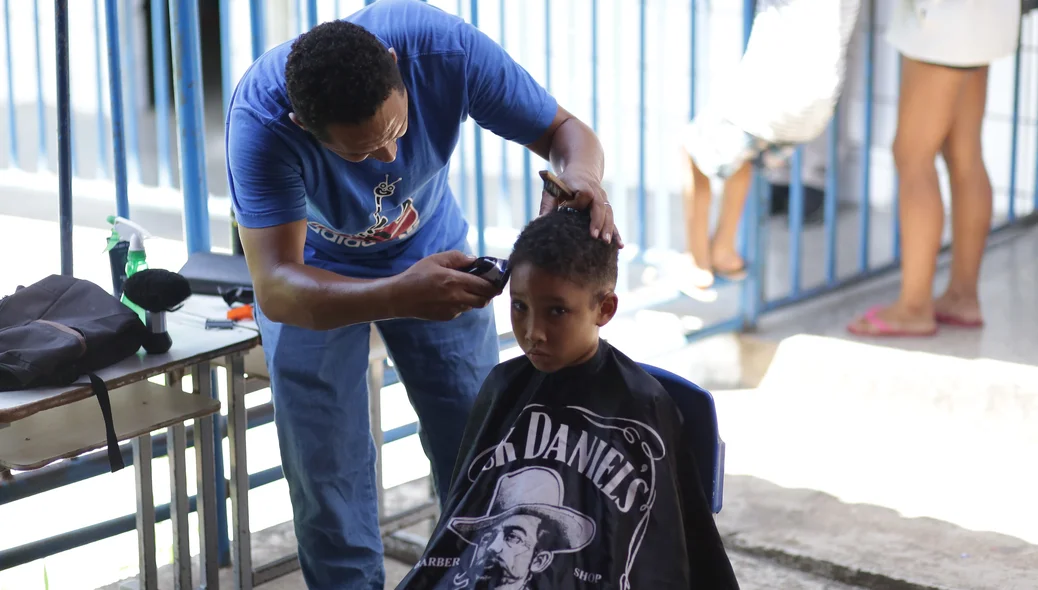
(955, 33)
(719, 148)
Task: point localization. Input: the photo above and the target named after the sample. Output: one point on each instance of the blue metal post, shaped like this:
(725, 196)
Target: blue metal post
(41, 117)
(643, 202)
(752, 295)
(102, 143)
(896, 201)
(311, 14)
(506, 192)
(133, 159)
(692, 61)
(12, 116)
(831, 202)
(751, 224)
(225, 54)
(160, 86)
(481, 213)
(258, 25)
(749, 10)
(866, 155)
(796, 219)
(1015, 138)
(594, 65)
(223, 540)
(64, 137)
(115, 96)
(187, 88)
(547, 45)
(463, 184)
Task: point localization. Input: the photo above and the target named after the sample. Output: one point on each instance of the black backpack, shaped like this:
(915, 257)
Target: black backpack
(60, 329)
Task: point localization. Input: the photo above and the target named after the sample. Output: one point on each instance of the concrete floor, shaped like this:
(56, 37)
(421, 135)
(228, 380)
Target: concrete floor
(887, 463)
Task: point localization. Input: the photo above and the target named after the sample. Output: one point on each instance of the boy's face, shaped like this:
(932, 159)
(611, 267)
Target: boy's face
(555, 320)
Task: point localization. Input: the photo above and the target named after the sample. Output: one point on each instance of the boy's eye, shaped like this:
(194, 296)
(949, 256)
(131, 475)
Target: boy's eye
(558, 311)
(518, 306)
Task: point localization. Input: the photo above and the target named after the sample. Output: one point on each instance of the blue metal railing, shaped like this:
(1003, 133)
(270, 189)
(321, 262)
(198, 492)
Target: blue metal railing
(181, 25)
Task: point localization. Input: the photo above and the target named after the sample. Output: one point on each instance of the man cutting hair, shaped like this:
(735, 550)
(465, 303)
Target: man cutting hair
(338, 146)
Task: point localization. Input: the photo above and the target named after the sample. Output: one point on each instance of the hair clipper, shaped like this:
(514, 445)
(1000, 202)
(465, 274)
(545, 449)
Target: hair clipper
(492, 269)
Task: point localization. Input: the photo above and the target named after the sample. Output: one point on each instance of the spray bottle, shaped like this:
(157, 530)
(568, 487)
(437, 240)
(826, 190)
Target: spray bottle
(132, 235)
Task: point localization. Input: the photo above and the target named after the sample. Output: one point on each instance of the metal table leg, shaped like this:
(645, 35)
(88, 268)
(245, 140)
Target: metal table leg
(205, 474)
(178, 507)
(241, 548)
(142, 456)
(176, 438)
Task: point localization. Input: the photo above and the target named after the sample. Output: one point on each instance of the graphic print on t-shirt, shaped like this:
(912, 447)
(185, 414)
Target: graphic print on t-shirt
(382, 229)
(553, 470)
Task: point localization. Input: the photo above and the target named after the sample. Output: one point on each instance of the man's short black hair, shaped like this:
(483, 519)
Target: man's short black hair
(339, 73)
(560, 243)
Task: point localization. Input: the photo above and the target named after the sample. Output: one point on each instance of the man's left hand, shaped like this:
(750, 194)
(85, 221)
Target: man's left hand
(588, 192)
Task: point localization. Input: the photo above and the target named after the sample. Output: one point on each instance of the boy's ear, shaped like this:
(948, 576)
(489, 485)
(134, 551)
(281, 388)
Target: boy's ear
(607, 308)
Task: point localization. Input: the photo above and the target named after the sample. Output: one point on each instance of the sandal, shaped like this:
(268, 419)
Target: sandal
(953, 320)
(731, 276)
(879, 327)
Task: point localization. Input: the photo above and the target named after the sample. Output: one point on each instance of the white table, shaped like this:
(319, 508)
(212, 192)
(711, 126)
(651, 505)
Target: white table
(46, 424)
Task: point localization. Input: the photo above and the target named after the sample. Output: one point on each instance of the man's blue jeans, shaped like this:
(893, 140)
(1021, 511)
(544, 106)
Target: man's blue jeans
(318, 381)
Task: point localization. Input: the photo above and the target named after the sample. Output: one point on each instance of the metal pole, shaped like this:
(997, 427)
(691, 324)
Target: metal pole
(160, 86)
(133, 144)
(12, 115)
(258, 23)
(187, 90)
(481, 210)
(311, 14)
(1015, 137)
(41, 116)
(643, 204)
(64, 136)
(102, 145)
(115, 98)
(864, 212)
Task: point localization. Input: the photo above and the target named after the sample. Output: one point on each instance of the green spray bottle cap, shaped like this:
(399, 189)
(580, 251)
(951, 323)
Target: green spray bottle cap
(124, 229)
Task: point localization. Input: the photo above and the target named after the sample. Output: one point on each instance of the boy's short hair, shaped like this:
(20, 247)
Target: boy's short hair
(560, 243)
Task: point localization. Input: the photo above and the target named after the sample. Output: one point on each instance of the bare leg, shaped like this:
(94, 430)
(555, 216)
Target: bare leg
(697, 198)
(723, 251)
(971, 202)
(926, 110)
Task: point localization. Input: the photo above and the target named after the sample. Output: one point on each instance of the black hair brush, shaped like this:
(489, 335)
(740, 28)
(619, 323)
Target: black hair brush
(157, 291)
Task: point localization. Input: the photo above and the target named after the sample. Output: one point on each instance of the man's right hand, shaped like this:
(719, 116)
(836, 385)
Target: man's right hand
(435, 288)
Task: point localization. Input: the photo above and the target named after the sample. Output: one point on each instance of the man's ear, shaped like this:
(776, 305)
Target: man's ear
(393, 53)
(607, 308)
(541, 561)
(296, 120)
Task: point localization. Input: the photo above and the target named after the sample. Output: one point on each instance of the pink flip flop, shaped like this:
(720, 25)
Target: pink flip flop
(952, 320)
(880, 328)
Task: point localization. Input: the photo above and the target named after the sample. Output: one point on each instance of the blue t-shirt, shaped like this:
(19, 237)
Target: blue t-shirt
(372, 219)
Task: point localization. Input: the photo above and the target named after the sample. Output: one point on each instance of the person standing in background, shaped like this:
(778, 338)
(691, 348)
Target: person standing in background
(781, 94)
(946, 47)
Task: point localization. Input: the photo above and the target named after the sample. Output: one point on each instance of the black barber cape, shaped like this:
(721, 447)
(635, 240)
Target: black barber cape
(578, 479)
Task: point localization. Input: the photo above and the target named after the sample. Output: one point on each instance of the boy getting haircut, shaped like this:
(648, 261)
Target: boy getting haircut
(574, 471)
(562, 289)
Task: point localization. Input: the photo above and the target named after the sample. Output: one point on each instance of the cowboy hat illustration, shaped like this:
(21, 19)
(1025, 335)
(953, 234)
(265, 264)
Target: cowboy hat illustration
(532, 491)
